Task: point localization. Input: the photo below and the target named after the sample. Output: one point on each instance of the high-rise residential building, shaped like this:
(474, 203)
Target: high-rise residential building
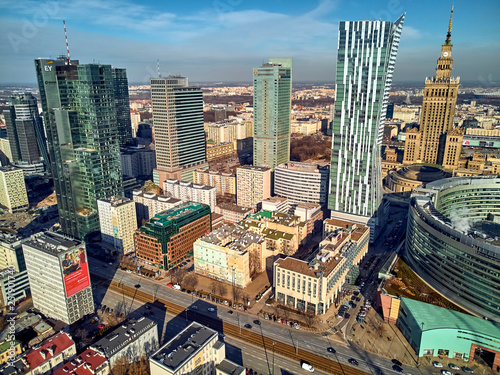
(14, 283)
(59, 276)
(187, 191)
(138, 162)
(272, 100)
(13, 193)
(148, 204)
(25, 129)
(118, 222)
(302, 182)
(81, 121)
(437, 141)
(5, 152)
(178, 127)
(224, 182)
(167, 239)
(253, 185)
(122, 105)
(366, 57)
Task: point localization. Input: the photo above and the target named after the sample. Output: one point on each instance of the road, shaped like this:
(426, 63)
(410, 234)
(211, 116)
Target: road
(313, 342)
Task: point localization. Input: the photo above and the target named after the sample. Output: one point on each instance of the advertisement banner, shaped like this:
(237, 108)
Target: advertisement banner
(75, 270)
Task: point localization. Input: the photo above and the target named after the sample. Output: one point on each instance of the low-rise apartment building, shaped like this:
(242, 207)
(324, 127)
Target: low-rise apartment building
(224, 182)
(314, 286)
(187, 191)
(232, 212)
(149, 204)
(88, 362)
(230, 254)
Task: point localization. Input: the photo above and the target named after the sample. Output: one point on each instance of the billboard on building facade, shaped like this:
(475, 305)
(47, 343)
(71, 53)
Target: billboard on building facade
(75, 271)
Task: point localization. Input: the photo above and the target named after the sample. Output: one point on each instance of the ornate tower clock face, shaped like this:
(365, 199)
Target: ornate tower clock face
(445, 54)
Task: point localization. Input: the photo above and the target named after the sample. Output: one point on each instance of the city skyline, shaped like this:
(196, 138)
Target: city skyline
(222, 40)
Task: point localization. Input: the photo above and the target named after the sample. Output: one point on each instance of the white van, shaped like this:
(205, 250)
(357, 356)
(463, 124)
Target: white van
(307, 366)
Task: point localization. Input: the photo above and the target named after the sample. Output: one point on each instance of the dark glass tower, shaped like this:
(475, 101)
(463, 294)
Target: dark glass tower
(24, 126)
(120, 86)
(80, 116)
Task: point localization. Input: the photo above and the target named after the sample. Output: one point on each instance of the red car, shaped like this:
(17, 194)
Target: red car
(100, 326)
(170, 285)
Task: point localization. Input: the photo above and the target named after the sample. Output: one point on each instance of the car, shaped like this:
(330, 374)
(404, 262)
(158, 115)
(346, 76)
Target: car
(137, 286)
(110, 263)
(230, 312)
(234, 305)
(183, 290)
(170, 285)
(188, 291)
(446, 372)
(308, 367)
(467, 370)
(331, 350)
(194, 307)
(354, 305)
(225, 302)
(176, 287)
(128, 271)
(257, 322)
(437, 364)
(211, 309)
(398, 368)
(296, 325)
(358, 299)
(247, 326)
(100, 326)
(453, 366)
(352, 361)
(347, 315)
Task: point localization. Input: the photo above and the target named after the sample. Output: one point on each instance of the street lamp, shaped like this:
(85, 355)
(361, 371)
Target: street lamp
(273, 357)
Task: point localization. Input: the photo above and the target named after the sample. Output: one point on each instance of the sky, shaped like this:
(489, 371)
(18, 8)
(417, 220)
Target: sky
(224, 40)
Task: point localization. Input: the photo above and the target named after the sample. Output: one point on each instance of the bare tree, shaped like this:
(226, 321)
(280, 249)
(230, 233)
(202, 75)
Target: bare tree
(81, 334)
(221, 289)
(140, 367)
(178, 275)
(237, 294)
(190, 280)
(213, 286)
(121, 366)
(310, 318)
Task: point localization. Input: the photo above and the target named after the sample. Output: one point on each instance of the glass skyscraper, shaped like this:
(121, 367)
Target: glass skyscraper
(80, 117)
(25, 129)
(178, 128)
(122, 104)
(272, 99)
(365, 65)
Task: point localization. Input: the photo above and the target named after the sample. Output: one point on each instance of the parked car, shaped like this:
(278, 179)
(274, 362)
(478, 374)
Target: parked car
(445, 372)
(248, 326)
(467, 370)
(331, 350)
(100, 326)
(308, 367)
(453, 366)
(170, 285)
(399, 369)
(176, 287)
(211, 309)
(352, 361)
(437, 364)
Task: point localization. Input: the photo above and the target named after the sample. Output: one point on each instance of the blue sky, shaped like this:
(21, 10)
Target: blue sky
(223, 40)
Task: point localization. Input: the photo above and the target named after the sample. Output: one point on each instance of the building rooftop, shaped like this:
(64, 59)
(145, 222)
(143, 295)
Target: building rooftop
(305, 167)
(52, 242)
(154, 196)
(48, 349)
(186, 344)
(233, 237)
(9, 168)
(316, 268)
(255, 168)
(177, 212)
(122, 335)
(235, 208)
(116, 201)
(188, 184)
(85, 363)
(436, 317)
(229, 368)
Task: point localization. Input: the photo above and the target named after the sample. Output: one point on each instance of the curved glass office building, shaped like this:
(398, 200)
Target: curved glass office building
(453, 241)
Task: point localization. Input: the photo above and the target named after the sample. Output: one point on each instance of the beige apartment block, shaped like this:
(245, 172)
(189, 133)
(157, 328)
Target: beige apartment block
(315, 286)
(149, 204)
(13, 193)
(253, 185)
(230, 254)
(224, 183)
(118, 220)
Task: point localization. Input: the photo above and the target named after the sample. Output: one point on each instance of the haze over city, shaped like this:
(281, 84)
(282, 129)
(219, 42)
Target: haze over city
(223, 40)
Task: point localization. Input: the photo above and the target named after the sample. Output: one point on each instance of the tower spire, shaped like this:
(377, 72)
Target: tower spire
(448, 36)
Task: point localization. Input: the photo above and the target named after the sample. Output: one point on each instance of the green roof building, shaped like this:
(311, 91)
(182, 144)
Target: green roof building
(167, 239)
(436, 331)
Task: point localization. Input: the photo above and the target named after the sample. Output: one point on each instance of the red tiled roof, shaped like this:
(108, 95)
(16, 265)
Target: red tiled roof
(56, 344)
(84, 364)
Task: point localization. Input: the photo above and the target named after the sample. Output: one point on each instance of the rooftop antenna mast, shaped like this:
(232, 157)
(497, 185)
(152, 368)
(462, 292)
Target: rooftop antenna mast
(158, 67)
(67, 45)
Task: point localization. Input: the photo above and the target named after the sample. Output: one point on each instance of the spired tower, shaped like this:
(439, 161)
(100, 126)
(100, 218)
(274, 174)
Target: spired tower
(429, 143)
